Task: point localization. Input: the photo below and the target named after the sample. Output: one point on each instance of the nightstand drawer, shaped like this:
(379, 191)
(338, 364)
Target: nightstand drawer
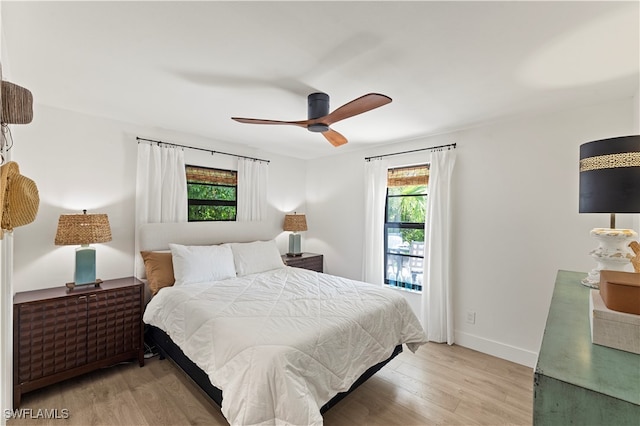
(311, 261)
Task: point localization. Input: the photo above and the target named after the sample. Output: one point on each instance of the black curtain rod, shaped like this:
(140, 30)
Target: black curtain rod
(202, 149)
(433, 148)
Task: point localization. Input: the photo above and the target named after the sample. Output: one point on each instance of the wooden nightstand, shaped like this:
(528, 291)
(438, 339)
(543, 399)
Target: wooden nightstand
(311, 261)
(60, 333)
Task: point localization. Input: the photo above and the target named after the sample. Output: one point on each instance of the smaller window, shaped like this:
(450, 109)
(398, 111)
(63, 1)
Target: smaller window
(212, 194)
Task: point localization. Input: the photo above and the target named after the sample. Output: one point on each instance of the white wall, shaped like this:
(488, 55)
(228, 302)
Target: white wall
(515, 221)
(83, 162)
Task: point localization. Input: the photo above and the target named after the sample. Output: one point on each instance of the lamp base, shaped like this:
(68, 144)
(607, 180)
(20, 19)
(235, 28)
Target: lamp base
(612, 253)
(85, 272)
(294, 245)
(96, 283)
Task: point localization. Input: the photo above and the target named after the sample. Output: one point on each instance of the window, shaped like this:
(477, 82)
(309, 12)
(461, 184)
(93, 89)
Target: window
(404, 226)
(211, 193)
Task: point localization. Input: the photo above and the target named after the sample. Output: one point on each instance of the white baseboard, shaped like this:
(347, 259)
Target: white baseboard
(498, 349)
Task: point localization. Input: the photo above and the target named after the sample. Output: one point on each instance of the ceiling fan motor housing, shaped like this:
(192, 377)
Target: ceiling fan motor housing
(317, 106)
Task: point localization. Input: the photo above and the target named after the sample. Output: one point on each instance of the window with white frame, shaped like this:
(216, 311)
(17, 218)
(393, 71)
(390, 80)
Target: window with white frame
(405, 215)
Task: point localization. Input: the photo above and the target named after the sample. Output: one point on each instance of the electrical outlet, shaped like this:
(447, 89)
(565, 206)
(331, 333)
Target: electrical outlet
(471, 317)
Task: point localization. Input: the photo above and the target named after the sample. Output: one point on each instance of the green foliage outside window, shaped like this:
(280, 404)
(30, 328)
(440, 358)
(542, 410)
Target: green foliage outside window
(197, 191)
(408, 204)
(197, 213)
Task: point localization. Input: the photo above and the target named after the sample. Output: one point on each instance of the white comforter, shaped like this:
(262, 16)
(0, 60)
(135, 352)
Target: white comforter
(282, 343)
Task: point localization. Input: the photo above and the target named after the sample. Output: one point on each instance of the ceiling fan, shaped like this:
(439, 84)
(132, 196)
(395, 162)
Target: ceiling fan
(319, 119)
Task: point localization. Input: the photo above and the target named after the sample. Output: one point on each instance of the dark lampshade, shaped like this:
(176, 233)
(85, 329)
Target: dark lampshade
(610, 175)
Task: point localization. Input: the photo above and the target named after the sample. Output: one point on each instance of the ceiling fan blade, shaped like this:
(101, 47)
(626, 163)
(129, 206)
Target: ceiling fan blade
(357, 106)
(334, 138)
(302, 123)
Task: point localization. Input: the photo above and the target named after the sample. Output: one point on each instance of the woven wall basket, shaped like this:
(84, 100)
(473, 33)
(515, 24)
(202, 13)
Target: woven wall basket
(17, 104)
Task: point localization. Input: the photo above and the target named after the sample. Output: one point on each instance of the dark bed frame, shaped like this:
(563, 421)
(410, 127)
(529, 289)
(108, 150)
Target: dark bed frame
(167, 348)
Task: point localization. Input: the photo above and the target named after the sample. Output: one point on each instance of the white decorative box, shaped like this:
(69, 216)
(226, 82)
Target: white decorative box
(614, 329)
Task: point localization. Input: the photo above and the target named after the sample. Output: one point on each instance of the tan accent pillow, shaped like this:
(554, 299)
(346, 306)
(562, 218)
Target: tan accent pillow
(159, 269)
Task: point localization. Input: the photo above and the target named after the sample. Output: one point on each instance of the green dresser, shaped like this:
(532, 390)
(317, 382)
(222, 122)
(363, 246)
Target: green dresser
(577, 382)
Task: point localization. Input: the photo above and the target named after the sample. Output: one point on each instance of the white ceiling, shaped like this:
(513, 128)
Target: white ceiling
(190, 66)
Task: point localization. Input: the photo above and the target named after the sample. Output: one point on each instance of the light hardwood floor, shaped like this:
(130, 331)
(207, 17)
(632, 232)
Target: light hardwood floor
(439, 385)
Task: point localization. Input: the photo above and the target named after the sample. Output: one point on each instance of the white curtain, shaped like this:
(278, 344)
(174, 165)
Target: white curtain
(252, 190)
(161, 184)
(375, 198)
(437, 302)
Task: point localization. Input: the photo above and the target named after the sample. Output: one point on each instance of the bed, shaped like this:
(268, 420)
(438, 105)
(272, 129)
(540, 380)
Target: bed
(281, 344)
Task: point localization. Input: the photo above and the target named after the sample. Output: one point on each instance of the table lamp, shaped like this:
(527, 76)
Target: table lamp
(83, 229)
(610, 183)
(295, 223)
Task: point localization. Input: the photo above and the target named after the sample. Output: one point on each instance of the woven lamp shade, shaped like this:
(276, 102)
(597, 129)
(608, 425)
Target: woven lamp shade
(78, 229)
(295, 222)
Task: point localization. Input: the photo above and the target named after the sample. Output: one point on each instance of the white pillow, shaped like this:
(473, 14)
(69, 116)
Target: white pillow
(195, 264)
(258, 256)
